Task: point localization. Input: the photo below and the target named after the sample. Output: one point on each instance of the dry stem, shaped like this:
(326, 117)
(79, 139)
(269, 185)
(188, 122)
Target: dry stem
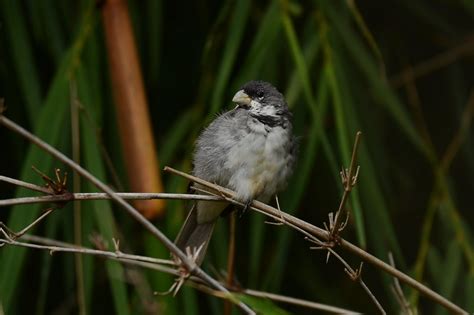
(186, 262)
(323, 234)
(99, 196)
(54, 246)
(349, 179)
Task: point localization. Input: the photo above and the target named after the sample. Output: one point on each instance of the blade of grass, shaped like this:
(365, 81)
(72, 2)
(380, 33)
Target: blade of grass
(90, 79)
(262, 306)
(237, 25)
(380, 88)
(161, 282)
(154, 28)
(469, 292)
(447, 280)
(22, 54)
(178, 133)
(47, 27)
(343, 140)
(275, 271)
(102, 209)
(50, 130)
(46, 262)
(262, 44)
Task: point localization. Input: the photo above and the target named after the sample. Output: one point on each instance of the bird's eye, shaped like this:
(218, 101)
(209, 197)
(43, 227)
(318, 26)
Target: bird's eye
(260, 95)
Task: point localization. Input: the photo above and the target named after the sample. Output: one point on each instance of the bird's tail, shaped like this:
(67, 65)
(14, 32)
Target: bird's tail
(194, 235)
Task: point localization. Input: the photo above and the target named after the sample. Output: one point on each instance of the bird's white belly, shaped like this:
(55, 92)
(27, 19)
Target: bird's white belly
(259, 163)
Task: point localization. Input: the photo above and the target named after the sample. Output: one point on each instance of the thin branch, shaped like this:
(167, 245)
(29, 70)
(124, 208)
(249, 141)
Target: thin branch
(34, 223)
(25, 185)
(100, 196)
(323, 234)
(356, 275)
(54, 246)
(190, 265)
(349, 179)
(397, 289)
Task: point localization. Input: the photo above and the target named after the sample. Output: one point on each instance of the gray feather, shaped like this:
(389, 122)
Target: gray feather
(250, 149)
(194, 235)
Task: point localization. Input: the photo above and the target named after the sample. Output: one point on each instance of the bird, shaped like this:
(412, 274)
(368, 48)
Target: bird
(249, 149)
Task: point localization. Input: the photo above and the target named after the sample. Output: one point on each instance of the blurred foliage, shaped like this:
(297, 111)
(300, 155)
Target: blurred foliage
(399, 71)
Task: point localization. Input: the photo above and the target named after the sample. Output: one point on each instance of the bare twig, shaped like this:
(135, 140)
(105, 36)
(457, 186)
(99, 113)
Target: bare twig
(99, 196)
(397, 289)
(323, 234)
(349, 179)
(16, 235)
(190, 265)
(277, 202)
(356, 275)
(54, 246)
(25, 184)
(161, 265)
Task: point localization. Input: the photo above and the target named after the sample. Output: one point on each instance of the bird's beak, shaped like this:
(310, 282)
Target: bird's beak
(241, 98)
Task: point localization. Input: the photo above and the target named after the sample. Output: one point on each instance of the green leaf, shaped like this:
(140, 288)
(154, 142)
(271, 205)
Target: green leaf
(261, 305)
(237, 25)
(104, 217)
(22, 54)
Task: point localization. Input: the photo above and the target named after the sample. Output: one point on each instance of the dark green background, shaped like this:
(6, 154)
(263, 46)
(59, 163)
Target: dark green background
(341, 68)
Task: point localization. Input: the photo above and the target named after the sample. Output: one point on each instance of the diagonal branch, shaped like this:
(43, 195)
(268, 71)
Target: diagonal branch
(23, 184)
(323, 234)
(190, 265)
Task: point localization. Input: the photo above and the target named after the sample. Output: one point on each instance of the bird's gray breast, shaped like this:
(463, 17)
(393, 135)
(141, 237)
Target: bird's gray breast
(242, 153)
(259, 161)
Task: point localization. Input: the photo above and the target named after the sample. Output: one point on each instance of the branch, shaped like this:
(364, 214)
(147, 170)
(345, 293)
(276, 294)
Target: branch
(161, 265)
(189, 264)
(25, 184)
(55, 246)
(323, 234)
(349, 179)
(100, 196)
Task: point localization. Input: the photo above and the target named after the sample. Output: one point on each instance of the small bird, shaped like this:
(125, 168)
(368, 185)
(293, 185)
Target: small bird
(249, 149)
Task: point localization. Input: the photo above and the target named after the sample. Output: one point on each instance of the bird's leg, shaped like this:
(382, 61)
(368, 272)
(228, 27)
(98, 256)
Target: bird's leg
(241, 211)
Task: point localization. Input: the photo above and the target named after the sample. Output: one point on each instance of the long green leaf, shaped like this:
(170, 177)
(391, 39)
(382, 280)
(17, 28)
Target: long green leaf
(50, 130)
(236, 29)
(22, 53)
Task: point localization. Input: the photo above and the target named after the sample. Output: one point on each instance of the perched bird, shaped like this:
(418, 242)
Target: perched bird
(249, 149)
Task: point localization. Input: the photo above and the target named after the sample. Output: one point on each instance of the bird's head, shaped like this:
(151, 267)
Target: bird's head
(261, 99)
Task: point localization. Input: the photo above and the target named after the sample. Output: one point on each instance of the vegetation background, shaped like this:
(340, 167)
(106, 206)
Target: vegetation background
(399, 71)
